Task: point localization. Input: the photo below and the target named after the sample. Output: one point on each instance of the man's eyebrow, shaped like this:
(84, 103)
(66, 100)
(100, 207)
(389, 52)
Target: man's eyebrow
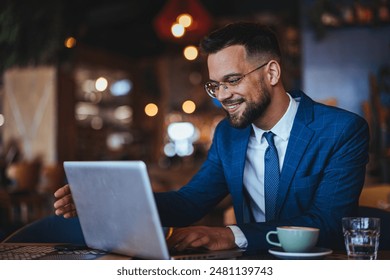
(227, 76)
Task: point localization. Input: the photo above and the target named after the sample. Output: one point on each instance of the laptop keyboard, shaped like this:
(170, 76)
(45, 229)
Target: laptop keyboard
(202, 253)
(187, 251)
(31, 252)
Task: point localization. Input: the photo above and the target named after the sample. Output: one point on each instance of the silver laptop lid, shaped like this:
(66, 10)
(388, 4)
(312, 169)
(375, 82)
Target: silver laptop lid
(116, 207)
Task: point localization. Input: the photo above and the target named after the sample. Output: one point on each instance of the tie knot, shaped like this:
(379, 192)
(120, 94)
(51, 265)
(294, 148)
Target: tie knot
(269, 136)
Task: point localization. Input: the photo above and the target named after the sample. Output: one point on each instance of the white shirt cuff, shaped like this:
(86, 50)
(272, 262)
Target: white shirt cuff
(239, 237)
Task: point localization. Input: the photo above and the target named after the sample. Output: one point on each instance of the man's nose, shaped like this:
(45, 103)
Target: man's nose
(223, 92)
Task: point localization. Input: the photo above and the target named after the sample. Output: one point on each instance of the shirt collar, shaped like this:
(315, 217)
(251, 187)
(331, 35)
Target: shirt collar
(283, 127)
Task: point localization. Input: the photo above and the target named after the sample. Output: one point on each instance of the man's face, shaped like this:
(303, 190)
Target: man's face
(248, 100)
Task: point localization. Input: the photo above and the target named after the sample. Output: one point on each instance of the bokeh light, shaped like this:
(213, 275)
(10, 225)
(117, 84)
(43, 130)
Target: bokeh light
(2, 120)
(97, 123)
(101, 84)
(70, 42)
(151, 109)
(123, 113)
(177, 30)
(181, 131)
(188, 106)
(121, 87)
(190, 52)
(185, 20)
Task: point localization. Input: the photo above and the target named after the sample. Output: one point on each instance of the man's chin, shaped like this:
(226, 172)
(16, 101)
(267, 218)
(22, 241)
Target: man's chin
(236, 122)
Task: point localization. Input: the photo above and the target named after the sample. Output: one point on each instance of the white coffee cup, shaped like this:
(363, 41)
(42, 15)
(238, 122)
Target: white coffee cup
(294, 238)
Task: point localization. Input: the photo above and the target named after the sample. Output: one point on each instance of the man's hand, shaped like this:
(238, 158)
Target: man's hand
(64, 204)
(212, 238)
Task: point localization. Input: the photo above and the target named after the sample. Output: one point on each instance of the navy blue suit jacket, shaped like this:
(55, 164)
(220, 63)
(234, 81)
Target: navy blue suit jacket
(321, 178)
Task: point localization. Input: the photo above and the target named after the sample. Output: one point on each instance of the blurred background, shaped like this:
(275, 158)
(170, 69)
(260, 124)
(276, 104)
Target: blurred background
(123, 80)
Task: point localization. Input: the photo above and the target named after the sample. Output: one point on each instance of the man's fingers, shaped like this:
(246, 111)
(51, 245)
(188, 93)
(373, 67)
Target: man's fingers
(202, 241)
(175, 239)
(70, 214)
(63, 201)
(184, 238)
(212, 238)
(61, 192)
(67, 210)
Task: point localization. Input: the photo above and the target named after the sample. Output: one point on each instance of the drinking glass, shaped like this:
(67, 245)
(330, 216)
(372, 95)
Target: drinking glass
(361, 236)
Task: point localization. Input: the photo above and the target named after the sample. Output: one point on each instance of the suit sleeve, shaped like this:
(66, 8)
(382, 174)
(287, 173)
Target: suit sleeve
(197, 198)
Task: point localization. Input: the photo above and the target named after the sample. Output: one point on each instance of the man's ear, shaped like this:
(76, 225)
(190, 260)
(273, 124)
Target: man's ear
(274, 72)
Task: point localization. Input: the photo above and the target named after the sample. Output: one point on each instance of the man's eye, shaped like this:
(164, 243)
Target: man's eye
(234, 81)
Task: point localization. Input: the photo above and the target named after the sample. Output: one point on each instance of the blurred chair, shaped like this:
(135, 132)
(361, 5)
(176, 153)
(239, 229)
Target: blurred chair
(26, 201)
(377, 196)
(23, 208)
(384, 240)
(25, 175)
(52, 177)
(377, 115)
(51, 229)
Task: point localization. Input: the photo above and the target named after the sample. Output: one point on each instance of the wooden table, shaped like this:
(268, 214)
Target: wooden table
(336, 255)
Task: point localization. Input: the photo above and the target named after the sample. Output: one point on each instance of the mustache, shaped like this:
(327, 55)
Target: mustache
(230, 102)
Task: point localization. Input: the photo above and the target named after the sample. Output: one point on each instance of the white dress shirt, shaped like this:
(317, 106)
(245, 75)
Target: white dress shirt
(254, 165)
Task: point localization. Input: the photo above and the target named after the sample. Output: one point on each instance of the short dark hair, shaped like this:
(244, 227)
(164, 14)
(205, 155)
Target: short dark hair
(256, 38)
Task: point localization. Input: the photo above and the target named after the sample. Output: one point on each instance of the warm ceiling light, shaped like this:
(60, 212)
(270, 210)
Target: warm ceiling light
(151, 109)
(185, 20)
(70, 42)
(177, 30)
(190, 52)
(178, 11)
(188, 107)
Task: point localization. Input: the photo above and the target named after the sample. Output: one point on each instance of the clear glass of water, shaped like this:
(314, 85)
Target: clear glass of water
(361, 236)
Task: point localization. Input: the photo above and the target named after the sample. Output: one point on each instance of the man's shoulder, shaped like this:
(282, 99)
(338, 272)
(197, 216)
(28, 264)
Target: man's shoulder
(327, 113)
(337, 113)
(333, 122)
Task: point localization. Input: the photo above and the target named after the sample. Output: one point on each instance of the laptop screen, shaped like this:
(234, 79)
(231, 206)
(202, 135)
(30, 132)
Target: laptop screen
(116, 207)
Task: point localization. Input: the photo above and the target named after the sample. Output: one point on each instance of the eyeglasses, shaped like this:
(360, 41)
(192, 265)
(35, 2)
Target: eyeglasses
(212, 87)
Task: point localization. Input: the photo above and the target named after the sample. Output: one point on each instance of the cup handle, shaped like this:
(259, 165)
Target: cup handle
(271, 242)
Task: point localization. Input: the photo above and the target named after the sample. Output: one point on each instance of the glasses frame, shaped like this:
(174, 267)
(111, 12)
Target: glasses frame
(228, 84)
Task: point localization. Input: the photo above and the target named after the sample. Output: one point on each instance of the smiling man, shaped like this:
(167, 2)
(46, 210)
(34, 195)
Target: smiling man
(249, 101)
(284, 158)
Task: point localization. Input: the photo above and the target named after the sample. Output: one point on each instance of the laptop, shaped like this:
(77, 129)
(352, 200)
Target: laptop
(118, 214)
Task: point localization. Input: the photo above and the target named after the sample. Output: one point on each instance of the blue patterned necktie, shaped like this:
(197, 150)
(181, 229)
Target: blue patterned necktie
(271, 176)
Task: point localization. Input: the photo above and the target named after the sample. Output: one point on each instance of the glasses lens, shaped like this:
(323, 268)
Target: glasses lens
(211, 88)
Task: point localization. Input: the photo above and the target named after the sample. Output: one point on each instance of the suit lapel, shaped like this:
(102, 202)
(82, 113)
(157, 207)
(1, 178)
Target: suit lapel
(300, 138)
(238, 156)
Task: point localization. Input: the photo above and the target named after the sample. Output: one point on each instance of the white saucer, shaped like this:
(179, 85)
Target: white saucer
(315, 253)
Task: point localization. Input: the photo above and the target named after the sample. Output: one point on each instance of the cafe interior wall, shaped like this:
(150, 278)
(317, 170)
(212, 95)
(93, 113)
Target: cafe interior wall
(333, 66)
(168, 75)
(337, 60)
(30, 110)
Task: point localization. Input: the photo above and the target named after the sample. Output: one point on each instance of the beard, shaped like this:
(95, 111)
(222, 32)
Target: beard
(253, 111)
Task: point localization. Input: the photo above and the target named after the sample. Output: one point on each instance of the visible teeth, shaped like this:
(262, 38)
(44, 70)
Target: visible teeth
(232, 106)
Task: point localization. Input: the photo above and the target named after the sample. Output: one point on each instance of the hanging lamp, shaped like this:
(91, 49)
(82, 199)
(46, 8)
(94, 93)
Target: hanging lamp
(182, 21)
